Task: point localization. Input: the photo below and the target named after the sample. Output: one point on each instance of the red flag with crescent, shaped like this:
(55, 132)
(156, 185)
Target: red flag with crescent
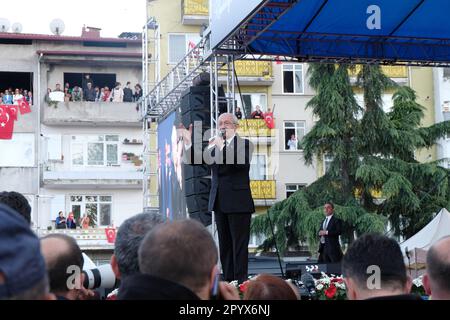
(110, 235)
(6, 123)
(268, 118)
(24, 106)
(13, 111)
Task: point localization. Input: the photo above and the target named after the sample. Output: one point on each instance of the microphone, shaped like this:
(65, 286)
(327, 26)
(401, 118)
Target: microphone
(407, 253)
(222, 133)
(308, 281)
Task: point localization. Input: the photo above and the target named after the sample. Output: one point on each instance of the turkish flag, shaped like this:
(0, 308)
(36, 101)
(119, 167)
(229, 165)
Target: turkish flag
(268, 118)
(6, 123)
(110, 234)
(24, 106)
(13, 110)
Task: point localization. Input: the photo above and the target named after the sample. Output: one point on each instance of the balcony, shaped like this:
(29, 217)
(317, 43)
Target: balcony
(92, 113)
(91, 179)
(87, 239)
(194, 12)
(397, 73)
(263, 192)
(256, 129)
(257, 73)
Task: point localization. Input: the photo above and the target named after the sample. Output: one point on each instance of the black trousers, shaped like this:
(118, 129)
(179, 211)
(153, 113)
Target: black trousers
(234, 234)
(325, 257)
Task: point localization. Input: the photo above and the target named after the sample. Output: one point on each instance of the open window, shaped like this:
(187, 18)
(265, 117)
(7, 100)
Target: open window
(16, 80)
(100, 80)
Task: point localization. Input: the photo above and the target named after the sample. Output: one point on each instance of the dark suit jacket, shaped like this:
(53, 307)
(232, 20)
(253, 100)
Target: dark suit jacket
(230, 185)
(332, 247)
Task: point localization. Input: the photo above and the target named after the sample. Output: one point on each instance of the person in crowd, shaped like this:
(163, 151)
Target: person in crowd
(97, 94)
(137, 92)
(58, 88)
(85, 221)
(60, 221)
(257, 114)
(436, 281)
(71, 223)
(64, 262)
(106, 94)
(127, 93)
(87, 79)
(8, 97)
(269, 287)
(67, 86)
(18, 203)
(292, 143)
(101, 96)
(124, 261)
(25, 94)
(23, 275)
(30, 98)
(238, 113)
(67, 95)
(117, 93)
(229, 157)
(373, 268)
(77, 94)
(89, 93)
(330, 230)
(17, 96)
(47, 95)
(193, 275)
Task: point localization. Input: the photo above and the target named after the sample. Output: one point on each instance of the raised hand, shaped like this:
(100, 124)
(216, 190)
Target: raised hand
(185, 134)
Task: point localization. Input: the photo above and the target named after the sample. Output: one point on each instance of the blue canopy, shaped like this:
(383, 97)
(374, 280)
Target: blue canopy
(360, 31)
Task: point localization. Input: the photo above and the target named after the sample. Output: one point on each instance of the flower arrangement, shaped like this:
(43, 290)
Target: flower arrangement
(241, 288)
(330, 288)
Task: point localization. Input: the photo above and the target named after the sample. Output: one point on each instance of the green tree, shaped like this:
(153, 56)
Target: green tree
(373, 151)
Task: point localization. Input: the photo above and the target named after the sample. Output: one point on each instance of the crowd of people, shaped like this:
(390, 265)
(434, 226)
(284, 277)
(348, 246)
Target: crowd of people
(12, 97)
(93, 93)
(61, 222)
(157, 260)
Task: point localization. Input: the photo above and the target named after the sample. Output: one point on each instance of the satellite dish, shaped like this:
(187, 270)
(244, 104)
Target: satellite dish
(57, 27)
(17, 27)
(4, 25)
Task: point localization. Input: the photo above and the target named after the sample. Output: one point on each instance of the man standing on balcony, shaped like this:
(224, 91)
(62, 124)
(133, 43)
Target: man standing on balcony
(229, 157)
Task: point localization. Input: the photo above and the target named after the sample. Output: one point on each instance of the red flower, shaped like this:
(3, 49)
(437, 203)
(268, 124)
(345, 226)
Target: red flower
(243, 286)
(331, 291)
(338, 280)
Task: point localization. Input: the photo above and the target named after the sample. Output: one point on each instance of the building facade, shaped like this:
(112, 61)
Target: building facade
(73, 156)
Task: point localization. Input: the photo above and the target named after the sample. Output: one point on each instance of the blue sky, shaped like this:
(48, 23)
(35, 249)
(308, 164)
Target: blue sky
(112, 16)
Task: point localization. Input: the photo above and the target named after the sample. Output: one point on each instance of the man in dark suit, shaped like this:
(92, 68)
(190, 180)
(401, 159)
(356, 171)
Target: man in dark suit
(229, 156)
(330, 230)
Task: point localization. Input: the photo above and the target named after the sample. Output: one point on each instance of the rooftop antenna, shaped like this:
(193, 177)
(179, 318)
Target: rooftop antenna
(17, 27)
(57, 27)
(4, 25)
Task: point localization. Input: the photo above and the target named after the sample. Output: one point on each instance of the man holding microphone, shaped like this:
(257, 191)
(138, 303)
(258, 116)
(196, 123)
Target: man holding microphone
(229, 157)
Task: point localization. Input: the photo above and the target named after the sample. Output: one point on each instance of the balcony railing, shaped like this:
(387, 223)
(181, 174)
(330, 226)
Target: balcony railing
(254, 128)
(259, 69)
(263, 189)
(92, 238)
(390, 71)
(194, 12)
(92, 113)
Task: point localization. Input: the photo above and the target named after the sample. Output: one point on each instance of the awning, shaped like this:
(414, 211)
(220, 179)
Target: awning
(414, 32)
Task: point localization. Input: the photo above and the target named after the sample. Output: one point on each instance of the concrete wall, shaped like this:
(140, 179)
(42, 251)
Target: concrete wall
(92, 113)
(23, 180)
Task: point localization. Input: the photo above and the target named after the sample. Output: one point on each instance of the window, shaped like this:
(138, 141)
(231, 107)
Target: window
(95, 150)
(327, 160)
(180, 44)
(251, 100)
(294, 131)
(98, 208)
(291, 188)
(19, 151)
(293, 78)
(258, 167)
